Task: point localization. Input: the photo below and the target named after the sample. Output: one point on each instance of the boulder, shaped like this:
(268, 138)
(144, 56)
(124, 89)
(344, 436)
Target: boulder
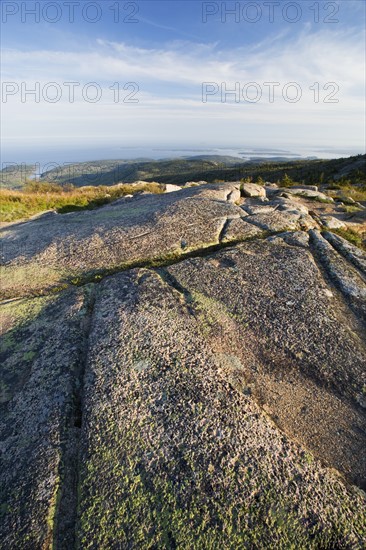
(306, 193)
(239, 229)
(194, 183)
(253, 190)
(332, 223)
(294, 238)
(170, 188)
(290, 205)
(306, 187)
(351, 252)
(275, 221)
(259, 209)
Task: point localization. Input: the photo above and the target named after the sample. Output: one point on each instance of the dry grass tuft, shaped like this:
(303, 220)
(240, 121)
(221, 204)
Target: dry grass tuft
(39, 197)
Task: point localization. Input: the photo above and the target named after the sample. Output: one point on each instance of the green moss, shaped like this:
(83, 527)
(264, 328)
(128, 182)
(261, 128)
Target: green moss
(29, 356)
(4, 509)
(309, 458)
(8, 342)
(19, 345)
(5, 393)
(29, 280)
(148, 510)
(53, 506)
(20, 312)
(212, 311)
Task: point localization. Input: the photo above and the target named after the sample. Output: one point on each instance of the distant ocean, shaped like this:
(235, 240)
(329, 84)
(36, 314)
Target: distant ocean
(46, 157)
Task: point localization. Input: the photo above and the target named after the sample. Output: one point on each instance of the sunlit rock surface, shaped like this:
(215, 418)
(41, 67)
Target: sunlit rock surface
(183, 371)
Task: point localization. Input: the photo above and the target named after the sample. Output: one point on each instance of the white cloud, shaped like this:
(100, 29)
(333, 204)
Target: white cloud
(170, 81)
(328, 54)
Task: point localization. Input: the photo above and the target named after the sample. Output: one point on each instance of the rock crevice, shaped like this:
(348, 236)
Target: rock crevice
(65, 520)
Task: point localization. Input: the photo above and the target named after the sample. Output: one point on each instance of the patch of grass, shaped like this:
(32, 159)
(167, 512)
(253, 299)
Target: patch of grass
(40, 197)
(357, 192)
(345, 200)
(351, 209)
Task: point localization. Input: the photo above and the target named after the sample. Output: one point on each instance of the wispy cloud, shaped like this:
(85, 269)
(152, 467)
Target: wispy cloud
(170, 80)
(315, 55)
(175, 30)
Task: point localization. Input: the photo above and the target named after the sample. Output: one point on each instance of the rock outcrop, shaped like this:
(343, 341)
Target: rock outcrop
(183, 371)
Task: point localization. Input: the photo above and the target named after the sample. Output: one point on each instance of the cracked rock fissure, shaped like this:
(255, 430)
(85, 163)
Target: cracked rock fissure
(64, 535)
(342, 273)
(97, 276)
(223, 230)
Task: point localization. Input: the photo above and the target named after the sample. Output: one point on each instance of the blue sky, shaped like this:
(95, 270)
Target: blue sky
(167, 52)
